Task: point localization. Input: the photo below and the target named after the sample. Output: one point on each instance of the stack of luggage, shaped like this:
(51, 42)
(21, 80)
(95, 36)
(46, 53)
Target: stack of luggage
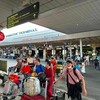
(33, 89)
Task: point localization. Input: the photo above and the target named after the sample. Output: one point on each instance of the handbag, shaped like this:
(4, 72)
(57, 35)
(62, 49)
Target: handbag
(78, 85)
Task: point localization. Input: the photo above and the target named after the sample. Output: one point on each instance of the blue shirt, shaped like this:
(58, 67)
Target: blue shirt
(39, 68)
(77, 67)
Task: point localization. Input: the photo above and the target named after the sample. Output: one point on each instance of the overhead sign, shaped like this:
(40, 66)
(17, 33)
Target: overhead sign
(24, 15)
(2, 36)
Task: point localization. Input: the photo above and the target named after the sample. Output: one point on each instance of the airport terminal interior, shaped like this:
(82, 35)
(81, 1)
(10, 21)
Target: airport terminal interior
(45, 29)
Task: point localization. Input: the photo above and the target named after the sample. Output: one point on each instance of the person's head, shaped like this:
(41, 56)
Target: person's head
(48, 64)
(52, 58)
(36, 60)
(75, 62)
(69, 63)
(18, 59)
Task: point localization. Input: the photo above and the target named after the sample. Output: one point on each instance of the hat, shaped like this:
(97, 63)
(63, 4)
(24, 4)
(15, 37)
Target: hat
(69, 61)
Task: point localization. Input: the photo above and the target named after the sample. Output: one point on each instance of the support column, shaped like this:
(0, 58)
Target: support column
(36, 52)
(53, 51)
(81, 50)
(70, 49)
(44, 54)
(94, 51)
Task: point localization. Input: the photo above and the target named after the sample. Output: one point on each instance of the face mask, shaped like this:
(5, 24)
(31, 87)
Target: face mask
(69, 67)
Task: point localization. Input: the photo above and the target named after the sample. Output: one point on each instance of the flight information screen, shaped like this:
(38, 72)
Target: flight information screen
(27, 14)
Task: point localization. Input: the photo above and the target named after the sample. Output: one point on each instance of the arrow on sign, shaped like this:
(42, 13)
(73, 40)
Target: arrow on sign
(34, 15)
(34, 6)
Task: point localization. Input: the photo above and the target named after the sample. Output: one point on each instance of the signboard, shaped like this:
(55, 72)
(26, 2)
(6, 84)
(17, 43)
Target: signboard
(24, 15)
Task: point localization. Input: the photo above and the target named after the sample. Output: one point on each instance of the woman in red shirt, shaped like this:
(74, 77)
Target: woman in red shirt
(26, 69)
(53, 64)
(50, 74)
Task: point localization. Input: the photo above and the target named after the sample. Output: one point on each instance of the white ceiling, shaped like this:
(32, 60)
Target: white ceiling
(68, 16)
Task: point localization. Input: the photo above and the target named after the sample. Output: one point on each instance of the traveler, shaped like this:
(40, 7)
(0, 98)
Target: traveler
(26, 69)
(76, 65)
(53, 64)
(96, 63)
(72, 80)
(38, 66)
(50, 75)
(18, 65)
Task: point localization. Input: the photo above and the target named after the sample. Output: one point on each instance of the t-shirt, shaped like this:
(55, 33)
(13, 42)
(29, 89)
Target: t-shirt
(39, 68)
(26, 69)
(49, 73)
(73, 75)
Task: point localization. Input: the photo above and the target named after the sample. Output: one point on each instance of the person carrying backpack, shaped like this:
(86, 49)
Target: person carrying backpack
(74, 80)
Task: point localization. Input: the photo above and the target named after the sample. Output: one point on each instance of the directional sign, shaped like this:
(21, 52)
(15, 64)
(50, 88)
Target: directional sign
(24, 15)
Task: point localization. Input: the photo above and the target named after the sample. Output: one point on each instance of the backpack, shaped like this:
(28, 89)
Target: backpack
(31, 86)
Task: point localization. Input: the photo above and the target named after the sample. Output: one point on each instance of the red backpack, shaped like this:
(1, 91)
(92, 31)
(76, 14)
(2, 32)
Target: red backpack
(13, 78)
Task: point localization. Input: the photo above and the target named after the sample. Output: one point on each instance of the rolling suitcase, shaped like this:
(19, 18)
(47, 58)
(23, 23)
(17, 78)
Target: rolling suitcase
(36, 97)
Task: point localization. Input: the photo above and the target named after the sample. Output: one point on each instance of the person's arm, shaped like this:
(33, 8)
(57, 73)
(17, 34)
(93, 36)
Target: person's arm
(84, 87)
(83, 82)
(62, 75)
(58, 79)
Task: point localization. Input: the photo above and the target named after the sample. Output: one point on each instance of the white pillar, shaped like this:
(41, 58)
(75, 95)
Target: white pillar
(44, 54)
(53, 52)
(94, 51)
(64, 53)
(81, 50)
(36, 52)
(70, 49)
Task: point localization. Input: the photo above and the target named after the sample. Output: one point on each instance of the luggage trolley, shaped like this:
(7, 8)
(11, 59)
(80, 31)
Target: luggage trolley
(59, 94)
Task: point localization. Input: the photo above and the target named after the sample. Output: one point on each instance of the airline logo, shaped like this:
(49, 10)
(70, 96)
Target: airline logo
(2, 36)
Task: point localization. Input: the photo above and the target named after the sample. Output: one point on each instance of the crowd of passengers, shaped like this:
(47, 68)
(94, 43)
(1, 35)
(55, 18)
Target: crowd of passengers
(29, 65)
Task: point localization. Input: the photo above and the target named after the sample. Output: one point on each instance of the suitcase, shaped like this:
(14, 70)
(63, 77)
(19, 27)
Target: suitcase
(36, 97)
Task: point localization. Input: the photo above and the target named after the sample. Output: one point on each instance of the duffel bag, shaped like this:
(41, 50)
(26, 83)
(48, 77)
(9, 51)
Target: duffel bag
(31, 86)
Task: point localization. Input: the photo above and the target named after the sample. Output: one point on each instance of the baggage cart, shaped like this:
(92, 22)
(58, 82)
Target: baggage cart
(59, 94)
